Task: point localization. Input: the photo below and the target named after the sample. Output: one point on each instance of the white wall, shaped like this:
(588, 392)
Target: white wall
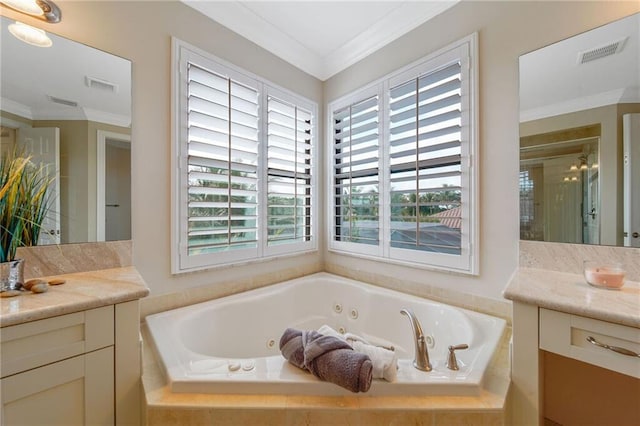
(141, 31)
(506, 31)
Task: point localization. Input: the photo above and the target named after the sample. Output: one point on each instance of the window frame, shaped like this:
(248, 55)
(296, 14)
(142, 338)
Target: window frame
(467, 262)
(182, 54)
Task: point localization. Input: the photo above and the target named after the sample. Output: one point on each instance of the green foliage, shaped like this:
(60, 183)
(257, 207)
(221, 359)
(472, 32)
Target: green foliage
(24, 202)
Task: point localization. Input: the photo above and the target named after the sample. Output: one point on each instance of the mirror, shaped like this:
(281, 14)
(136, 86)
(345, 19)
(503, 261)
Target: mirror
(69, 107)
(580, 138)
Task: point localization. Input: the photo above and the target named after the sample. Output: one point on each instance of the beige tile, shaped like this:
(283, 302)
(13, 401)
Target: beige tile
(229, 417)
(462, 418)
(325, 402)
(322, 418)
(178, 417)
(396, 418)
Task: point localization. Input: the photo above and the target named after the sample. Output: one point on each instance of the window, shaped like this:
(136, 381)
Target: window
(356, 171)
(403, 172)
(289, 183)
(244, 151)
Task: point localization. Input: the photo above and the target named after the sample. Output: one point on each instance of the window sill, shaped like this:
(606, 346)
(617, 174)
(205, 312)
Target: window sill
(248, 262)
(404, 263)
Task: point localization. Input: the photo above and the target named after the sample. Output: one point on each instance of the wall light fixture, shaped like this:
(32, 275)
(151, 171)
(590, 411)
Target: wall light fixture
(41, 9)
(30, 35)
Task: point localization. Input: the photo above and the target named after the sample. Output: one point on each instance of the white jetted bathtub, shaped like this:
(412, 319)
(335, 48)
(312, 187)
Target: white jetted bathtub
(230, 345)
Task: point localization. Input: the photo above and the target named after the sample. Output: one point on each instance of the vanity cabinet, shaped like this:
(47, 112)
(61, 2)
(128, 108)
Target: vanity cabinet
(559, 376)
(73, 369)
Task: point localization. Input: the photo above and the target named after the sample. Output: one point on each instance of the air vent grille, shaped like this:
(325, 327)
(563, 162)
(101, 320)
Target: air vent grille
(601, 51)
(99, 84)
(61, 101)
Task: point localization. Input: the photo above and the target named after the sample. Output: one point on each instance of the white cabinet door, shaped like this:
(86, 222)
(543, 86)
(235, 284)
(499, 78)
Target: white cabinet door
(75, 391)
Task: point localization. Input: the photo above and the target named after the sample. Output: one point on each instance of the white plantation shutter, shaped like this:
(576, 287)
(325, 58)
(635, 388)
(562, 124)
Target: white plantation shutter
(222, 163)
(425, 161)
(403, 166)
(289, 150)
(356, 172)
(243, 166)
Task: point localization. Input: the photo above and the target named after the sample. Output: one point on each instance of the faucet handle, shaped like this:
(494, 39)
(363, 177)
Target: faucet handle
(452, 362)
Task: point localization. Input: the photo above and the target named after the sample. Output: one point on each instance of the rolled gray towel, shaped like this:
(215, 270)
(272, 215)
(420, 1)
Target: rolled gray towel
(328, 358)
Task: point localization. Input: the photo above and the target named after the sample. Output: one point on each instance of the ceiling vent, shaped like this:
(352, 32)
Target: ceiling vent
(602, 51)
(104, 85)
(62, 101)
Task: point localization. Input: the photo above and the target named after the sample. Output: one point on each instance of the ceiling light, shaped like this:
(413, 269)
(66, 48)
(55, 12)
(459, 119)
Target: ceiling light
(573, 167)
(583, 162)
(41, 9)
(30, 35)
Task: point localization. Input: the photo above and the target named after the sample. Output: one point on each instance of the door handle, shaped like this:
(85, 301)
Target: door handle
(635, 235)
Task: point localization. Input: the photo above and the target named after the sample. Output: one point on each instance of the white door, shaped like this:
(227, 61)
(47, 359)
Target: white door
(117, 190)
(43, 144)
(631, 164)
(113, 192)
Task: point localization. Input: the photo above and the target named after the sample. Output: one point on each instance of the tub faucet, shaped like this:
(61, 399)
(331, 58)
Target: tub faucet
(421, 361)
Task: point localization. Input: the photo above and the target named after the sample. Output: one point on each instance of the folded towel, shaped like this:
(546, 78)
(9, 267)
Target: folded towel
(328, 358)
(385, 362)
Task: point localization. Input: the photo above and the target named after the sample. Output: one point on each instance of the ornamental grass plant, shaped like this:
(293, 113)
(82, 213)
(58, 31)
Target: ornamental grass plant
(24, 202)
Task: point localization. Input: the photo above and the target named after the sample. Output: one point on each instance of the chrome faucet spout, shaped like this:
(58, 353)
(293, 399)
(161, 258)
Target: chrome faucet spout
(421, 360)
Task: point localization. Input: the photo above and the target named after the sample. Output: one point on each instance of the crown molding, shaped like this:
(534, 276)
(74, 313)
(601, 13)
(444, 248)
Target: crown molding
(611, 97)
(241, 19)
(16, 108)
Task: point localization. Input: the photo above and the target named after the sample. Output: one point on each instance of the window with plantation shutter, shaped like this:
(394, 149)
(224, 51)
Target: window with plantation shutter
(222, 149)
(243, 165)
(425, 162)
(356, 172)
(289, 129)
(408, 186)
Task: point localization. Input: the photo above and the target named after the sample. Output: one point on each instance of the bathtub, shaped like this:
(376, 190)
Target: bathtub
(230, 345)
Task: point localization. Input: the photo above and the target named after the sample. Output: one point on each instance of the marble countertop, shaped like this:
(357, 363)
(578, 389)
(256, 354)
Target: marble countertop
(82, 290)
(570, 293)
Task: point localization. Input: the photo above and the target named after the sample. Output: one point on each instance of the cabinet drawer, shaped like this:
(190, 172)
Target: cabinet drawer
(567, 335)
(33, 344)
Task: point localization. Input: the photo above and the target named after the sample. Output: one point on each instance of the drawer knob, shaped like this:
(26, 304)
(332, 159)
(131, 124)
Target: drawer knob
(617, 349)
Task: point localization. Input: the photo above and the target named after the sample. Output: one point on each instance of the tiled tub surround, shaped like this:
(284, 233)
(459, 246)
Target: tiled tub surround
(195, 362)
(166, 407)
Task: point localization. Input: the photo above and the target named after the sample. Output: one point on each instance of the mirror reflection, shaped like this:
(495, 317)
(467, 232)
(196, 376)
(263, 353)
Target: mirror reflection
(580, 138)
(69, 107)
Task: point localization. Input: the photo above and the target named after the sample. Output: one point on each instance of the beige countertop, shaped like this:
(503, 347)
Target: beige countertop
(570, 293)
(82, 290)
